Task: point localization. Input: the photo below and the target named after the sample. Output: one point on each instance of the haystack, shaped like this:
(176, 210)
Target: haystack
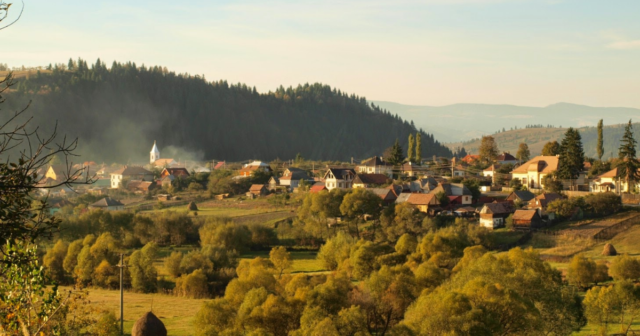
(609, 250)
(193, 206)
(149, 325)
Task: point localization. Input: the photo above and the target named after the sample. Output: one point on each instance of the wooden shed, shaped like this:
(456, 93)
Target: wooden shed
(526, 220)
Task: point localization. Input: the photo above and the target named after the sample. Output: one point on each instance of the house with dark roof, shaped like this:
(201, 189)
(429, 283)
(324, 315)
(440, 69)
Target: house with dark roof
(292, 177)
(493, 215)
(424, 185)
(541, 201)
(108, 204)
(506, 158)
(411, 169)
(130, 173)
(141, 187)
(397, 189)
(341, 178)
(526, 220)
(375, 165)
(177, 172)
(370, 180)
(523, 196)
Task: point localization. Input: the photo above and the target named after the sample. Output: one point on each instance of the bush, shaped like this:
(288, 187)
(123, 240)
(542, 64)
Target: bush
(225, 233)
(144, 276)
(516, 184)
(172, 264)
(625, 267)
(602, 204)
(54, 261)
(71, 259)
(106, 276)
(581, 271)
(193, 285)
(335, 251)
(106, 325)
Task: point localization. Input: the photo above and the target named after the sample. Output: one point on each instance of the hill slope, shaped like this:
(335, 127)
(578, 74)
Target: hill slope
(461, 122)
(536, 138)
(118, 112)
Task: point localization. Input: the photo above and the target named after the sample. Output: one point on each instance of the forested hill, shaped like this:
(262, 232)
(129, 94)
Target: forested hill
(537, 137)
(118, 112)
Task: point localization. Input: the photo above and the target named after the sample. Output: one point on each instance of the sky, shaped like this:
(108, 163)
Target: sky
(430, 52)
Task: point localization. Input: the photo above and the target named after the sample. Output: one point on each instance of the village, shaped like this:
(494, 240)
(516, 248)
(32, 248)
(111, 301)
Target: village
(503, 191)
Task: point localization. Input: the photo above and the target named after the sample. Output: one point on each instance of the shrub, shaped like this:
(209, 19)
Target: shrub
(581, 271)
(224, 232)
(193, 285)
(144, 276)
(54, 261)
(172, 264)
(625, 267)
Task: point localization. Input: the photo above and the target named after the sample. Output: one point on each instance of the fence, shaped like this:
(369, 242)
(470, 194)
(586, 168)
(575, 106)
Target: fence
(613, 230)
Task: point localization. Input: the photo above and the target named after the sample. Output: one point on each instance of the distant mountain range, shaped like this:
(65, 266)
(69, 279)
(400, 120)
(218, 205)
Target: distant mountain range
(462, 122)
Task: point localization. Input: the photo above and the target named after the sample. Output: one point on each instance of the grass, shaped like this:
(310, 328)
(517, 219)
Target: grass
(303, 261)
(177, 313)
(504, 236)
(218, 211)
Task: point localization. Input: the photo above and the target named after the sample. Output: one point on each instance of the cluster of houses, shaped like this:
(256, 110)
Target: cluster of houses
(425, 191)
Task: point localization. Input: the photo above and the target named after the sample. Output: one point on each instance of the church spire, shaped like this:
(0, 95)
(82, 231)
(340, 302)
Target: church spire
(154, 155)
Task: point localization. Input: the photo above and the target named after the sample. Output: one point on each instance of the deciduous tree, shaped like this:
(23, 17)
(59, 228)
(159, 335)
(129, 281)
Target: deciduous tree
(488, 149)
(551, 148)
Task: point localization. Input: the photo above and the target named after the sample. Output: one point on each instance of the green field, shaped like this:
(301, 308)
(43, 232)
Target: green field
(177, 313)
(303, 261)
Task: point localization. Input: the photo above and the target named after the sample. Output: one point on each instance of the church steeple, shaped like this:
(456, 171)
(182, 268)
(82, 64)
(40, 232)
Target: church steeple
(155, 153)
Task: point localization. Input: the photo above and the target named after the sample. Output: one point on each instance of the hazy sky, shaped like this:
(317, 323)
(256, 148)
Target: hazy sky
(432, 52)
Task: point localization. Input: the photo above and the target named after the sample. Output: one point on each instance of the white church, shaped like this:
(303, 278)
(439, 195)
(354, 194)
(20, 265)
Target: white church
(155, 160)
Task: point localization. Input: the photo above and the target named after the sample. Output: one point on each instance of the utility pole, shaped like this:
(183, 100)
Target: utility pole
(121, 266)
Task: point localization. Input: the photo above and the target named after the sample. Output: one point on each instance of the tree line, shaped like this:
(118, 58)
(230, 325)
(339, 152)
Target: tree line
(118, 110)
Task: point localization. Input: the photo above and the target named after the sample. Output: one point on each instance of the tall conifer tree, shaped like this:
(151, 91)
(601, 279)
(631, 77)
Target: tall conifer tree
(418, 148)
(600, 145)
(628, 165)
(410, 152)
(571, 161)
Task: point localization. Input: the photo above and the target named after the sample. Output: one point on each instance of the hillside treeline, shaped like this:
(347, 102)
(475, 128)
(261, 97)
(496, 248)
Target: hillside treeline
(118, 112)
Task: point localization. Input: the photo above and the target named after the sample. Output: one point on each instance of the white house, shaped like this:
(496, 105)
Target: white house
(341, 178)
(375, 165)
(131, 173)
(531, 172)
(493, 215)
(610, 181)
(291, 178)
